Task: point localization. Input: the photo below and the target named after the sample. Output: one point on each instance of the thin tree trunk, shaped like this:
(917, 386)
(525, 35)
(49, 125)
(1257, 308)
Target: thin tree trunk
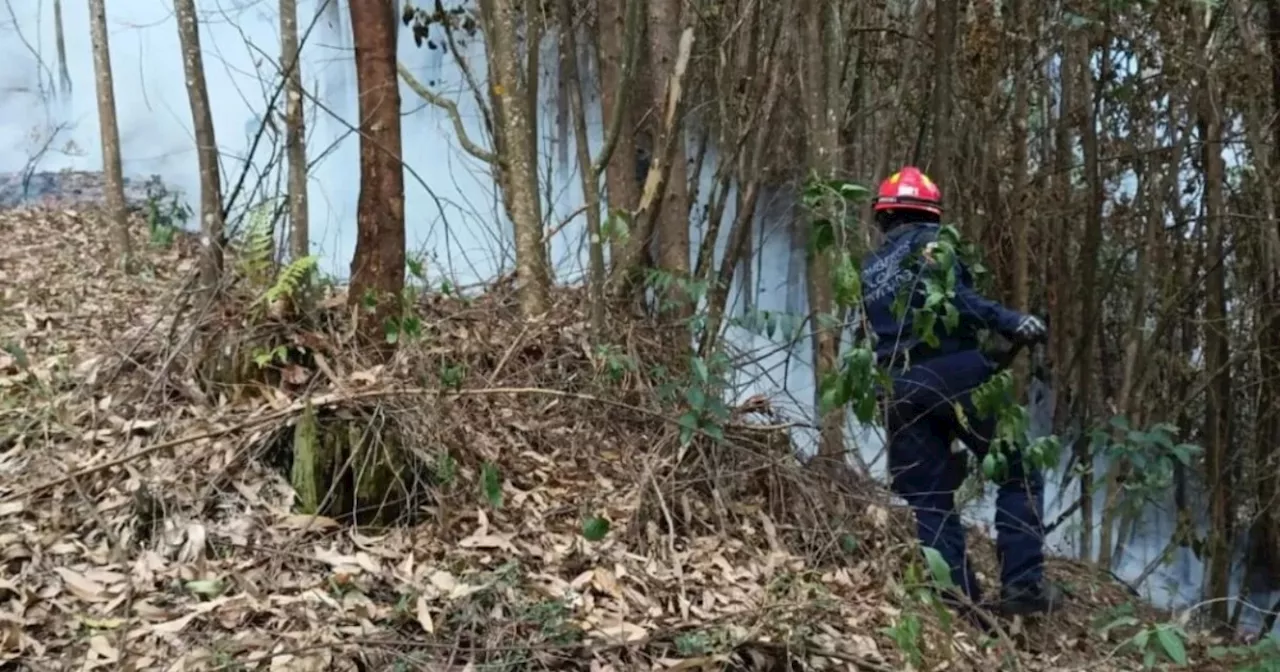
(377, 268)
(590, 178)
(1022, 39)
(60, 41)
(1090, 302)
(739, 246)
(517, 154)
(947, 18)
(1217, 358)
(621, 182)
(211, 217)
(295, 135)
(672, 207)
(1131, 376)
(1266, 532)
(824, 159)
(112, 172)
(1059, 293)
(614, 132)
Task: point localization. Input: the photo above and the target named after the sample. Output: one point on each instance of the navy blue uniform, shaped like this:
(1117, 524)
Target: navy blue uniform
(922, 420)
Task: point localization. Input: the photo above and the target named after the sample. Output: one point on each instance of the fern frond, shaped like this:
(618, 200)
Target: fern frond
(290, 278)
(258, 246)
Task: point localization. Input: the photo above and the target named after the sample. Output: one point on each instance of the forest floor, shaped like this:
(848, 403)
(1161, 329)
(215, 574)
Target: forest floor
(147, 522)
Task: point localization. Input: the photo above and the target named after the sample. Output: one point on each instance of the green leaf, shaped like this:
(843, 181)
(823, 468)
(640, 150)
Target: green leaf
(416, 268)
(1120, 622)
(412, 325)
(491, 484)
(850, 191)
(697, 400)
(1172, 645)
(595, 528)
(848, 282)
(989, 466)
(700, 370)
(848, 543)
(865, 409)
(950, 316)
(938, 567)
(688, 425)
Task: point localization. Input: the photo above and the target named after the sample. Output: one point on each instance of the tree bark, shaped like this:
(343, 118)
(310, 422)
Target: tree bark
(672, 216)
(621, 181)
(211, 216)
(590, 178)
(1217, 360)
(614, 119)
(1266, 532)
(112, 171)
(822, 125)
(377, 269)
(628, 264)
(517, 154)
(1090, 303)
(946, 19)
(295, 131)
(1019, 212)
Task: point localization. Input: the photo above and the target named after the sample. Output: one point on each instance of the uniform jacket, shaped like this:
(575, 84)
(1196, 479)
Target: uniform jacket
(897, 266)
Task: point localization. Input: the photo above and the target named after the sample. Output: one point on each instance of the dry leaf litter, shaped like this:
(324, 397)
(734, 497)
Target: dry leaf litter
(146, 525)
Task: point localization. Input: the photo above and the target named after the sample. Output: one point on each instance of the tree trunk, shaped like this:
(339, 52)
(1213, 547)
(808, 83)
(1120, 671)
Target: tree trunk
(946, 19)
(60, 42)
(1022, 39)
(627, 266)
(377, 269)
(517, 155)
(620, 175)
(824, 158)
(1266, 532)
(671, 219)
(1217, 358)
(1059, 293)
(614, 120)
(112, 172)
(295, 135)
(1114, 516)
(748, 180)
(1090, 302)
(211, 216)
(590, 178)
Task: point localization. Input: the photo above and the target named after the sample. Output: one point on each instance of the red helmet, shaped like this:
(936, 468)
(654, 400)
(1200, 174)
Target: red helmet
(909, 189)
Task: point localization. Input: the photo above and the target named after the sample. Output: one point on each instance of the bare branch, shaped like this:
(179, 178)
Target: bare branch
(450, 108)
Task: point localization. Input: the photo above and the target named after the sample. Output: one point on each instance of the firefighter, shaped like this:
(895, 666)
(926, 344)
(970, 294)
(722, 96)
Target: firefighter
(930, 381)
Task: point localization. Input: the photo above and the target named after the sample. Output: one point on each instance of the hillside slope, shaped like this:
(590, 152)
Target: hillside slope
(147, 518)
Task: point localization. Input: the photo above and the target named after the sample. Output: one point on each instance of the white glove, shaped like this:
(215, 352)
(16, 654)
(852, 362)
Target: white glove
(1030, 329)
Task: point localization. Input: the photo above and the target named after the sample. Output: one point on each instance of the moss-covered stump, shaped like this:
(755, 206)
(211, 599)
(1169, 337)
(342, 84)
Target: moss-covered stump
(239, 363)
(354, 465)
